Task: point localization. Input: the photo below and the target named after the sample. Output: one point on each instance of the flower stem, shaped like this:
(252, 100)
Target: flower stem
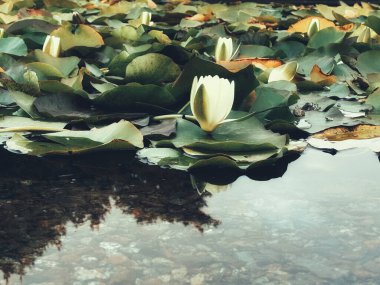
(175, 116)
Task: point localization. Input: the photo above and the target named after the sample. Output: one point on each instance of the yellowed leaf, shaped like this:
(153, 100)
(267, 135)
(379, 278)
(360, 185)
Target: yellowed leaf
(239, 64)
(303, 25)
(344, 133)
(200, 17)
(321, 78)
(83, 36)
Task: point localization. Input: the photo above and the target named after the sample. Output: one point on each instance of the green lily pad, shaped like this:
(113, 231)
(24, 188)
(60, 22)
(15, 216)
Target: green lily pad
(129, 96)
(38, 25)
(245, 136)
(64, 64)
(368, 62)
(325, 37)
(13, 46)
(318, 121)
(292, 49)
(374, 100)
(269, 97)
(152, 68)
(45, 71)
(22, 124)
(117, 136)
(25, 102)
(255, 51)
(63, 107)
(374, 23)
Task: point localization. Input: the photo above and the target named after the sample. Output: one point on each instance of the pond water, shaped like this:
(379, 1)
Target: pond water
(117, 221)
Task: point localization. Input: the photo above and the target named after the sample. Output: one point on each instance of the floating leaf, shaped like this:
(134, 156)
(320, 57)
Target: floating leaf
(345, 133)
(245, 136)
(13, 46)
(117, 136)
(367, 62)
(81, 36)
(63, 107)
(22, 124)
(152, 68)
(321, 78)
(129, 96)
(64, 64)
(302, 25)
(374, 100)
(325, 37)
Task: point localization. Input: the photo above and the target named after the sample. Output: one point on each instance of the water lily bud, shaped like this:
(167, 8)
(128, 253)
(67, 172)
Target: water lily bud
(211, 100)
(286, 72)
(313, 27)
(52, 46)
(32, 78)
(224, 49)
(1, 33)
(145, 18)
(365, 36)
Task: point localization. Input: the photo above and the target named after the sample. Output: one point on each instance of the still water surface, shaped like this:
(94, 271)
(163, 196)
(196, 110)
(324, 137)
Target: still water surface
(133, 224)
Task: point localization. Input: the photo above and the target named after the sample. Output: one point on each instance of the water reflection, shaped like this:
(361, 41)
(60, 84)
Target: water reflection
(39, 196)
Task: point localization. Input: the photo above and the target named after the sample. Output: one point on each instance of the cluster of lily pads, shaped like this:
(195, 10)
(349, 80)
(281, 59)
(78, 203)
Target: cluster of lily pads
(190, 85)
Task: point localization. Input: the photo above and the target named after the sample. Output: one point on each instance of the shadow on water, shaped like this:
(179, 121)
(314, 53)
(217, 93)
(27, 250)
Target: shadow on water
(39, 196)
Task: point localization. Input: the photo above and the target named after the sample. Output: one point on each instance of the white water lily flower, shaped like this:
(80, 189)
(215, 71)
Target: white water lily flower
(314, 27)
(145, 18)
(211, 100)
(365, 36)
(286, 72)
(224, 49)
(52, 46)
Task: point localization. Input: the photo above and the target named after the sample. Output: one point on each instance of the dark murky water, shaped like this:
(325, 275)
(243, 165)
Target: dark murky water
(116, 221)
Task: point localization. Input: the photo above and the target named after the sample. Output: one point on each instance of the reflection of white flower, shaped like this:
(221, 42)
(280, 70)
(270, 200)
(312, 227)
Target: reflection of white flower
(286, 72)
(211, 100)
(212, 188)
(52, 46)
(314, 27)
(1, 33)
(224, 49)
(364, 36)
(145, 18)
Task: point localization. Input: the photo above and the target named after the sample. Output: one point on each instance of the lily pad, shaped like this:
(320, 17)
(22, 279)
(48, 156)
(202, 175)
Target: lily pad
(367, 62)
(128, 97)
(80, 36)
(22, 124)
(13, 46)
(64, 64)
(152, 68)
(249, 135)
(117, 136)
(325, 37)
